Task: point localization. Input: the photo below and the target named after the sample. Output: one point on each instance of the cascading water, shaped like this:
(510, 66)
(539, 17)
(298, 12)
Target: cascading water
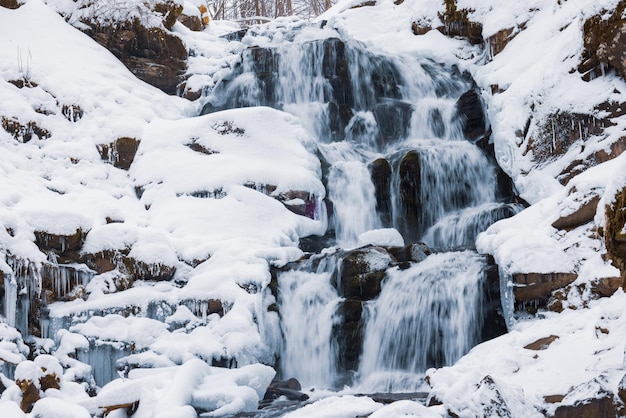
(393, 155)
(426, 316)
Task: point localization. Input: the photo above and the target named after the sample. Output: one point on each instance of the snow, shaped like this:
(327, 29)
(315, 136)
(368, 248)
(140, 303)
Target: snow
(386, 237)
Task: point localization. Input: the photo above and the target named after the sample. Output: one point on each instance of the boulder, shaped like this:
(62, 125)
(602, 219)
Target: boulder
(60, 244)
(541, 343)
(410, 194)
(393, 118)
(539, 286)
(380, 171)
(362, 271)
(10, 4)
(590, 400)
(154, 55)
(469, 108)
(121, 153)
(349, 332)
(582, 215)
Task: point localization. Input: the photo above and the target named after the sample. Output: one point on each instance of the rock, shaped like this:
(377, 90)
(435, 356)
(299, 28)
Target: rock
(121, 153)
(10, 4)
(23, 133)
(289, 388)
(72, 113)
(362, 271)
(488, 399)
(613, 232)
(192, 22)
(499, 40)
(469, 108)
(604, 44)
(410, 193)
(170, 10)
(539, 286)
(380, 171)
(349, 332)
(413, 253)
(154, 55)
(61, 244)
(553, 136)
(553, 398)
(457, 23)
(419, 29)
(393, 118)
(605, 286)
(589, 400)
(30, 394)
(584, 214)
(621, 389)
(541, 343)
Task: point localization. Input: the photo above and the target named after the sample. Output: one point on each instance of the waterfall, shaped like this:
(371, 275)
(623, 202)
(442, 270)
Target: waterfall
(400, 115)
(308, 302)
(426, 316)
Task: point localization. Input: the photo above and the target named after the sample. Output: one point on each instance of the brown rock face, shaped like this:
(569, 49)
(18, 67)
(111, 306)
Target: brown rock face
(456, 23)
(61, 244)
(591, 408)
(154, 55)
(614, 237)
(605, 44)
(120, 153)
(498, 41)
(23, 132)
(539, 286)
(30, 394)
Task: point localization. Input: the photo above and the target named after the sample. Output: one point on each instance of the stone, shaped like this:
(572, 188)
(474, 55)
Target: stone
(61, 244)
(170, 10)
(469, 108)
(72, 113)
(604, 44)
(621, 389)
(289, 388)
(605, 286)
(584, 214)
(412, 253)
(10, 4)
(499, 40)
(600, 403)
(457, 23)
(419, 29)
(193, 23)
(541, 343)
(121, 153)
(539, 286)
(30, 394)
(613, 232)
(349, 333)
(380, 171)
(24, 133)
(362, 271)
(393, 118)
(489, 400)
(154, 55)
(410, 194)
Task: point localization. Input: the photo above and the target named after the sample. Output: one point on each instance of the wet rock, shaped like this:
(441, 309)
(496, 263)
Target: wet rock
(121, 153)
(154, 55)
(541, 343)
(349, 333)
(24, 132)
(613, 232)
(335, 68)
(469, 108)
(362, 272)
(410, 193)
(289, 388)
(393, 118)
(539, 286)
(380, 171)
(413, 253)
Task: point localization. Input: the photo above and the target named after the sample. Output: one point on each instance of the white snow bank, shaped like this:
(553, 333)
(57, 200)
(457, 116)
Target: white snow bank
(388, 237)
